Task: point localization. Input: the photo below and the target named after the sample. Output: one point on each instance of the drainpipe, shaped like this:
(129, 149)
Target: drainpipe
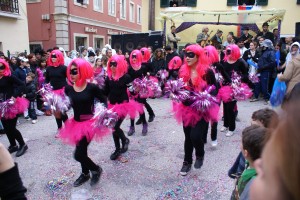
(151, 25)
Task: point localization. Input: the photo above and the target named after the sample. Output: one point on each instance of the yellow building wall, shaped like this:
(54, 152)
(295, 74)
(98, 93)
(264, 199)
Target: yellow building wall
(189, 35)
(14, 32)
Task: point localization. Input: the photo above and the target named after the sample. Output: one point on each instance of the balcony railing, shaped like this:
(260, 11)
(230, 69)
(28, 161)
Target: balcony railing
(9, 6)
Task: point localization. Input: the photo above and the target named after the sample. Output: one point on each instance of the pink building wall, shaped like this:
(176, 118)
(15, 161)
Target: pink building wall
(44, 31)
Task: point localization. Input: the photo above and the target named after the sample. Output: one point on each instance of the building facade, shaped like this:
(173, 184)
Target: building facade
(288, 25)
(13, 21)
(74, 23)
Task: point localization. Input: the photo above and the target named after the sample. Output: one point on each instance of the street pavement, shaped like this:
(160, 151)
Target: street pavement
(149, 170)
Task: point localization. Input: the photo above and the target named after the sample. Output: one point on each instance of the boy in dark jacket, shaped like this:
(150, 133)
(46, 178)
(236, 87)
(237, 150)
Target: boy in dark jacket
(30, 94)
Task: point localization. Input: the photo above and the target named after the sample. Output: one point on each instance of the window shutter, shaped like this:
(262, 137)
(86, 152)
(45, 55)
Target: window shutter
(191, 3)
(231, 2)
(164, 3)
(262, 2)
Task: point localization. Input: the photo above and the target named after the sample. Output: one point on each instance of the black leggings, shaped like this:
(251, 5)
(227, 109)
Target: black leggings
(119, 134)
(80, 155)
(59, 121)
(213, 132)
(148, 108)
(194, 139)
(13, 134)
(229, 115)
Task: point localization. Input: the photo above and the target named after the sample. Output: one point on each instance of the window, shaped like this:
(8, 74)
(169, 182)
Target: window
(82, 3)
(247, 2)
(139, 10)
(80, 42)
(123, 9)
(176, 3)
(98, 5)
(11, 6)
(98, 43)
(112, 7)
(131, 12)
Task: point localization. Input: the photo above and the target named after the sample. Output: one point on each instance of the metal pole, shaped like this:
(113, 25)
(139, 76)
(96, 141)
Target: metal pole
(279, 30)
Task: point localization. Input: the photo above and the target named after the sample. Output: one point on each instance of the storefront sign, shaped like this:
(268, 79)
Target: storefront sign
(90, 30)
(111, 32)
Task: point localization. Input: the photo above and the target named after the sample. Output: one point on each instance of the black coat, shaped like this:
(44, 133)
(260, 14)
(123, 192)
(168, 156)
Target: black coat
(30, 91)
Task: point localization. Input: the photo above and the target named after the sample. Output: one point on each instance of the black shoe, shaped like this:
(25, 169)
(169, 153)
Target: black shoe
(96, 176)
(138, 122)
(151, 118)
(12, 149)
(131, 131)
(115, 154)
(145, 129)
(2, 132)
(198, 163)
(186, 167)
(125, 146)
(22, 150)
(81, 179)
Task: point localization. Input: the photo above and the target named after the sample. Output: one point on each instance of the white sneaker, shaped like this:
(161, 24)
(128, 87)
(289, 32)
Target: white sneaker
(214, 143)
(229, 133)
(34, 121)
(224, 129)
(39, 113)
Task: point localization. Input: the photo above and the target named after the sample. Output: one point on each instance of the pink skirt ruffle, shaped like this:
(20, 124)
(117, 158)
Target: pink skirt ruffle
(74, 131)
(131, 109)
(190, 117)
(225, 94)
(21, 104)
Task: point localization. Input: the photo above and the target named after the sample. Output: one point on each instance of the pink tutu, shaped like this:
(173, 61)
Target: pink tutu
(225, 94)
(190, 117)
(21, 104)
(242, 93)
(74, 131)
(131, 108)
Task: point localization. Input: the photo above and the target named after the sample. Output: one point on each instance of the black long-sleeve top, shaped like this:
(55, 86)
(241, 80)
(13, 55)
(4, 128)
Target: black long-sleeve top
(83, 102)
(240, 67)
(56, 76)
(11, 86)
(140, 73)
(11, 186)
(116, 90)
(219, 68)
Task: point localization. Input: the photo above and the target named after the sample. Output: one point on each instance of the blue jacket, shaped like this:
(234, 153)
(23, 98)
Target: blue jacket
(21, 73)
(267, 61)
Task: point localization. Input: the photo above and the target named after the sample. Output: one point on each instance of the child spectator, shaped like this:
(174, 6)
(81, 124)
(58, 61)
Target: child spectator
(262, 117)
(30, 94)
(254, 138)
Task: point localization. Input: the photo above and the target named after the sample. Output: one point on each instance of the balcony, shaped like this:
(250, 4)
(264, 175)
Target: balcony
(9, 8)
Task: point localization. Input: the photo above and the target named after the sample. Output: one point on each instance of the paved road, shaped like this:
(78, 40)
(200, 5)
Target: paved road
(149, 170)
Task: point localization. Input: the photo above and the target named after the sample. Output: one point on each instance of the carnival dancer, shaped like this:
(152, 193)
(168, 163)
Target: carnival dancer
(10, 89)
(137, 70)
(174, 66)
(79, 130)
(56, 75)
(200, 86)
(116, 91)
(220, 75)
(234, 66)
(146, 56)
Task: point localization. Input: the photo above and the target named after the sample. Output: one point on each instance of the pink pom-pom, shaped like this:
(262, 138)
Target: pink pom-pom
(242, 92)
(175, 89)
(253, 78)
(56, 99)
(100, 80)
(10, 108)
(104, 117)
(146, 87)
